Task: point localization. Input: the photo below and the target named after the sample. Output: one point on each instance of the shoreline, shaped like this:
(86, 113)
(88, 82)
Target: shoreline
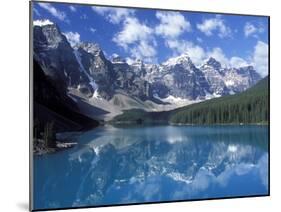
(221, 124)
(183, 124)
(40, 149)
(64, 143)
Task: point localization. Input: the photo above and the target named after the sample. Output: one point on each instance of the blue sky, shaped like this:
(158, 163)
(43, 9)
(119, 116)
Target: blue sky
(154, 35)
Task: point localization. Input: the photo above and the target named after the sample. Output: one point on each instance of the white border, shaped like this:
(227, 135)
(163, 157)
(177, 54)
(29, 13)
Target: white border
(14, 17)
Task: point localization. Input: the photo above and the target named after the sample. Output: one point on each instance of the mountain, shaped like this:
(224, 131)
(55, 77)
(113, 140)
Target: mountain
(215, 76)
(182, 79)
(112, 85)
(250, 106)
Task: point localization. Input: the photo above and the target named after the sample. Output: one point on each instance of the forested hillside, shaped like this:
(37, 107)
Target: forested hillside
(250, 106)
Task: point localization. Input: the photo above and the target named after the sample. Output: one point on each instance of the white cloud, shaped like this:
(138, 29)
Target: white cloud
(93, 30)
(72, 8)
(144, 51)
(172, 24)
(252, 30)
(56, 13)
(136, 38)
(130, 61)
(249, 29)
(238, 62)
(260, 58)
(132, 32)
(72, 37)
(114, 15)
(212, 25)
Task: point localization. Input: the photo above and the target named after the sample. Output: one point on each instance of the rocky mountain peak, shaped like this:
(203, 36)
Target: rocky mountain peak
(138, 63)
(214, 63)
(48, 32)
(183, 59)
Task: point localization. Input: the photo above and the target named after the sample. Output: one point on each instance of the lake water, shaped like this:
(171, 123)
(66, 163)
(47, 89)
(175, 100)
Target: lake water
(154, 163)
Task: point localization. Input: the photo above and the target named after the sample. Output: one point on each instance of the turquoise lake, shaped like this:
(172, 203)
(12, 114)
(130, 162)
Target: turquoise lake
(121, 165)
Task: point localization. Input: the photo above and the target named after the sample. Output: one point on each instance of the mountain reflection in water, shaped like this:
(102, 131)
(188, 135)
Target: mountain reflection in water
(154, 163)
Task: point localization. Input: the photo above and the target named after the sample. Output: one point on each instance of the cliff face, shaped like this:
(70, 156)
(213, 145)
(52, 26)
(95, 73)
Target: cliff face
(54, 105)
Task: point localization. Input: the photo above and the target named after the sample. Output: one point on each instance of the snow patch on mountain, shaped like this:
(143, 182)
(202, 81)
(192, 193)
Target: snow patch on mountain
(211, 96)
(82, 69)
(178, 101)
(78, 58)
(42, 22)
(229, 82)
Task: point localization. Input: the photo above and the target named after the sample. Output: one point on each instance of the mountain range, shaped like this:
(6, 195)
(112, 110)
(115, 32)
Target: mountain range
(102, 88)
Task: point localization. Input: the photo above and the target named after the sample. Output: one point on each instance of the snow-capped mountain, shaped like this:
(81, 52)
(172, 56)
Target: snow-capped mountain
(86, 73)
(182, 78)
